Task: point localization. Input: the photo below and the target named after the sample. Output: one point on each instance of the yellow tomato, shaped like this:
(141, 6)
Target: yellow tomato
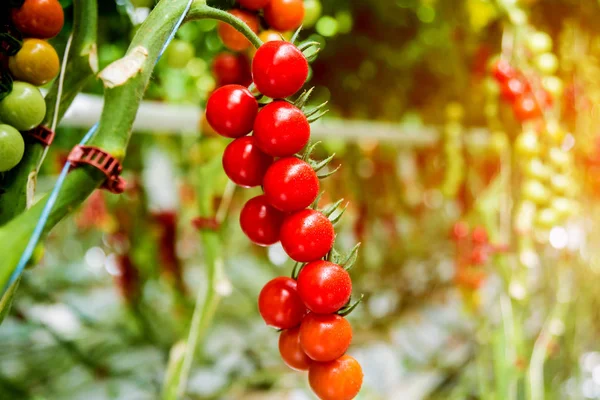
(36, 63)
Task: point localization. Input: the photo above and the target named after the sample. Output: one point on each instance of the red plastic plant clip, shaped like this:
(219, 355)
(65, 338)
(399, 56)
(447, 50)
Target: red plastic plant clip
(107, 164)
(202, 223)
(42, 134)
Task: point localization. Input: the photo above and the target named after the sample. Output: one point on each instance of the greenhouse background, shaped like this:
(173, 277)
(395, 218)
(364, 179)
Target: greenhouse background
(467, 138)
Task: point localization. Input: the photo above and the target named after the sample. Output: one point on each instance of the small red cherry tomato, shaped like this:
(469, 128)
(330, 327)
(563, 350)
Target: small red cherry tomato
(526, 108)
(234, 40)
(244, 163)
(324, 287)
(260, 221)
(502, 71)
(231, 69)
(42, 19)
(291, 351)
(460, 230)
(307, 235)
(281, 129)
(280, 305)
(479, 235)
(279, 69)
(325, 337)
(231, 111)
(291, 184)
(336, 380)
(479, 255)
(253, 4)
(513, 88)
(285, 15)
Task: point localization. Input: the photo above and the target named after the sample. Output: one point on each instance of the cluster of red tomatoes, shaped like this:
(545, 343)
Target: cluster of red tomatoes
(526, 102)
(24, 65)
(473, 251)
(309, 310)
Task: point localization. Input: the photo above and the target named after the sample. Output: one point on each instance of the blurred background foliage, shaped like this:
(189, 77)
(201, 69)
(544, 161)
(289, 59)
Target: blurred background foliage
(114, 291)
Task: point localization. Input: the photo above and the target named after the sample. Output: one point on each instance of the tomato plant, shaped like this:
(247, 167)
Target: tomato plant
(260, 221)
(279, 69)
(12, 147)
(281, 129)
(291, 184)
(24, 108)
(324, 287)
(336, 380)
(325, 337)
(291, 351)
(234, 40)
(36, 63)
(307, 235)
(231, 111)
(280, 305)
(42, 19)
(244, 163)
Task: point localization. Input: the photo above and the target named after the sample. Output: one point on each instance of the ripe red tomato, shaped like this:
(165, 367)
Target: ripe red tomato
(307, 235)
(284, 15)
(480, 235)
(42, 19)
(244, 163)
(460, 230)
(253, 4)
(324, 287)
(526, 108)
(479, 255)
(234, 40)
(260, 221)
(336, 380)
(281, 129)
(280, 305)
(279, 69)
(290, 184)
(231, 111)
(513, 88)
(291, 351)
(325, 337)
(502, 71)
(231, 69)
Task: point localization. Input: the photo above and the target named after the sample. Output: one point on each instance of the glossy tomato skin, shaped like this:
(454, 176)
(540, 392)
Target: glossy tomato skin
(502, 71)
(260, 221)
(279, 69)
(291, 184)
(526, 108)
(281, 129)
(324, 287)
(36, 63)
(231, 68)
(291, 351)
(42, 19)
(325, 337)
(307, 235)
(12, 147)
(336, 380)
(513, 88)
(234, 40)
(231, 111)
(244, 163)
(280, 305)
(253, 4)
(24, 108)
(285, 15)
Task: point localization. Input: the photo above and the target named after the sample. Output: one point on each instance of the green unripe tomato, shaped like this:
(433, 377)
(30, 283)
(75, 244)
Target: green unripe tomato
(527, 144)
(12, 147)
(553, 85)
(535, 191)
(536, 169)
(546, 218)
(312, 12)
(539, 42)
(24, 108)
(180, 53)
(547, 63)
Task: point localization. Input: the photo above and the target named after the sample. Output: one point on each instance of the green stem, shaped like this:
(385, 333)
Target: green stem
(200, 10)
(82, 64)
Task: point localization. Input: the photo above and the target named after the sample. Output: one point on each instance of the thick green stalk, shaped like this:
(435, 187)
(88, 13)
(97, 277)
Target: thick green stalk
(125, 82)
(82, 64)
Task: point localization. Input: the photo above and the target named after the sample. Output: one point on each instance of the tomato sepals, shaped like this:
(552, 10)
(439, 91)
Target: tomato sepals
(297, 268)
(303, 98)
(6, 84)
(295, 35)
(350, 307)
